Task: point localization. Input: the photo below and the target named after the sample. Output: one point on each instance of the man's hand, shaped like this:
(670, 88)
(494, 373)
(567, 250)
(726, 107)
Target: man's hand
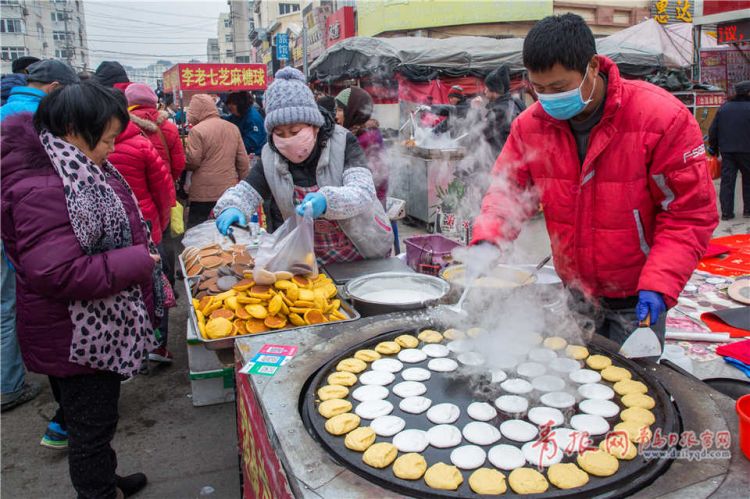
(650, 302)
(477, 102)
(478, 259)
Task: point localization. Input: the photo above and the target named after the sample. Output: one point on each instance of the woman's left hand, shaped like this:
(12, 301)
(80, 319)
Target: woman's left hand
(317, 201)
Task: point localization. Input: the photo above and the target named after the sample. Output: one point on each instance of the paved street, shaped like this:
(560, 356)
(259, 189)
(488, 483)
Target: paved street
(181, 448)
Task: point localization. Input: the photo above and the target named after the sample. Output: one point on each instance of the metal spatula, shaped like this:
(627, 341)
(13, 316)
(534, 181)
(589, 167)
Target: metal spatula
(642, 342)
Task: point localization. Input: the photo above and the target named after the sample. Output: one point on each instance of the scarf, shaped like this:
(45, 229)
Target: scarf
(113, 333)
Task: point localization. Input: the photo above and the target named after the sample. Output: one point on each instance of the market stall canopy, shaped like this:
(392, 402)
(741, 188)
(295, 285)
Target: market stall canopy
(650, 46)
(416, 58)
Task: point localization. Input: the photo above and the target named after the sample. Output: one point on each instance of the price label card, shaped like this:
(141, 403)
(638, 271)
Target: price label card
(261, 369)
(274, 360)
(286, 350)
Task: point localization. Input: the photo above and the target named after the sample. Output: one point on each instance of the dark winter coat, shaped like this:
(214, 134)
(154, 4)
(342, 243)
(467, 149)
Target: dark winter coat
(252, 130)
(139, 162)
(730, 130)
(9, 82)
(500, 114)
(151, 121)
(51, 267)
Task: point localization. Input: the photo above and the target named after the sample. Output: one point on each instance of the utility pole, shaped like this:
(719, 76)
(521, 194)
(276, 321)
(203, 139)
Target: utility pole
(305, 69)
(68, 46)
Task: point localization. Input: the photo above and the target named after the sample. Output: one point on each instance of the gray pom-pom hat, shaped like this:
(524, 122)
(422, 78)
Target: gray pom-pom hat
(288, 100)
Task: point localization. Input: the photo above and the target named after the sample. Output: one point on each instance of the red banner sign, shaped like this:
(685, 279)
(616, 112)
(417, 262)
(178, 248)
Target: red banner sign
(215, 78)
(720, 6)
(733, 32)
(709, 100)
(262, 473)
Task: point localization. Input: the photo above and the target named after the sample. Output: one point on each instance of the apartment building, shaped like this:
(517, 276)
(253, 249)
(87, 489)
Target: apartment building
(225, 37)
(45, 29)
(213, 53)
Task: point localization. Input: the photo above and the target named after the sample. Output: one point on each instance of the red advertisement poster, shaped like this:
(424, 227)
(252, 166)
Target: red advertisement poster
(215, 77)
(263, 476)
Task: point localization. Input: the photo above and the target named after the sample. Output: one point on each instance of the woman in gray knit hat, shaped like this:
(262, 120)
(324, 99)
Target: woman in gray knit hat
(311, 161)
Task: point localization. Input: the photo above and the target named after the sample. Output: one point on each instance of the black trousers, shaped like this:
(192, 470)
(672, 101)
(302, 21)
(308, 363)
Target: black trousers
(167, 253)
(89, 403)
(731, 164)
(199, 213)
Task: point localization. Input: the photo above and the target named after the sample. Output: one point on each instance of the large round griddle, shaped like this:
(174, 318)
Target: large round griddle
(452, 387)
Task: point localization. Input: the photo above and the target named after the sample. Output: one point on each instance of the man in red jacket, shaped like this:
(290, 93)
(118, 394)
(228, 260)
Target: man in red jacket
(620, 168)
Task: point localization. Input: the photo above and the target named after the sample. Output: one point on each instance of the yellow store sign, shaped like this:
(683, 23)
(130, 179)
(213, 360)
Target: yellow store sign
(375, 17)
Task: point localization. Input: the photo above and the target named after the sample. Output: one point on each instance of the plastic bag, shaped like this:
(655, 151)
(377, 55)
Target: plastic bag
(177, 219)
(290, 248)
(206, 234)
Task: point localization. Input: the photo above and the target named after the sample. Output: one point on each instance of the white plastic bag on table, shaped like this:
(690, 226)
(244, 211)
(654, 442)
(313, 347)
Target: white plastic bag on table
(291, 248)
(206, 234)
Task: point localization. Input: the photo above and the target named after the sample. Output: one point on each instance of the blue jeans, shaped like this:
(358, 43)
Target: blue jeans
(13, 372)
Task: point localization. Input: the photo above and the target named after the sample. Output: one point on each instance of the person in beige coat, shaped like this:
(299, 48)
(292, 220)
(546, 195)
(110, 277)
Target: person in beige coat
(215, 154)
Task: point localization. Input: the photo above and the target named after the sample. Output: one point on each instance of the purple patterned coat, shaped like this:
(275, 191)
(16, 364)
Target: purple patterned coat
(51, 267)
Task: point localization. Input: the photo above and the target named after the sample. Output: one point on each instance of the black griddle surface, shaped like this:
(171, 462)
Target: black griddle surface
(452, 387)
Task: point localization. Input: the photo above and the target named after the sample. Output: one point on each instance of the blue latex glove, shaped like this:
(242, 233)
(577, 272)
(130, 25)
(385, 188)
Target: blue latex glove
(317, 201)
(650, 302)
(229, 217)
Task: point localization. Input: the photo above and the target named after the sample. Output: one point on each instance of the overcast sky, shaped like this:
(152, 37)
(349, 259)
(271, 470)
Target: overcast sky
(137, 33)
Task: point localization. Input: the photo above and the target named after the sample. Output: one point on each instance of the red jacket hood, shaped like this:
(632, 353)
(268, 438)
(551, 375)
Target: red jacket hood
(148, 118)
(130, 131)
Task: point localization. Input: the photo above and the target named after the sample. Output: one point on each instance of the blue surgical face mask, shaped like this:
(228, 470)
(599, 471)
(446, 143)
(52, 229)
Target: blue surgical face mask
(565, 105)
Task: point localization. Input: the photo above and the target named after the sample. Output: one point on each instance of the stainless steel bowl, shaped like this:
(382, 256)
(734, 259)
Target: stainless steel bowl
(386, 292)
(502, 277)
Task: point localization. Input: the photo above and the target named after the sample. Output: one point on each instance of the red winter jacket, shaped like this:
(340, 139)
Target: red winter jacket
(149, 120)
(137, 160)
(636, 216)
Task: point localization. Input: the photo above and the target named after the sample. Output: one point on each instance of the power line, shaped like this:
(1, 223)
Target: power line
(111, 6)
(109, 17)
(106, 40)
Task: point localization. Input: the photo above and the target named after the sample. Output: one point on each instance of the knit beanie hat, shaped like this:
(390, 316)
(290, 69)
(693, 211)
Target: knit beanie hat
(288, 100)
(498, 80)
(357, 105)
(110, 72)
(140, 94)
(456, 91)
(19, 65)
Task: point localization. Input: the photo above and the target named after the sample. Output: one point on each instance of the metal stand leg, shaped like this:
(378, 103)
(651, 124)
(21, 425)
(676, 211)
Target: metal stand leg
(396, 243)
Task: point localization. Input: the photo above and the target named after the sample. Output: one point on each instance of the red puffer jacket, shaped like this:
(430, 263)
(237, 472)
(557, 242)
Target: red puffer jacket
(137, 160)
(151, 121)
(637, 215)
